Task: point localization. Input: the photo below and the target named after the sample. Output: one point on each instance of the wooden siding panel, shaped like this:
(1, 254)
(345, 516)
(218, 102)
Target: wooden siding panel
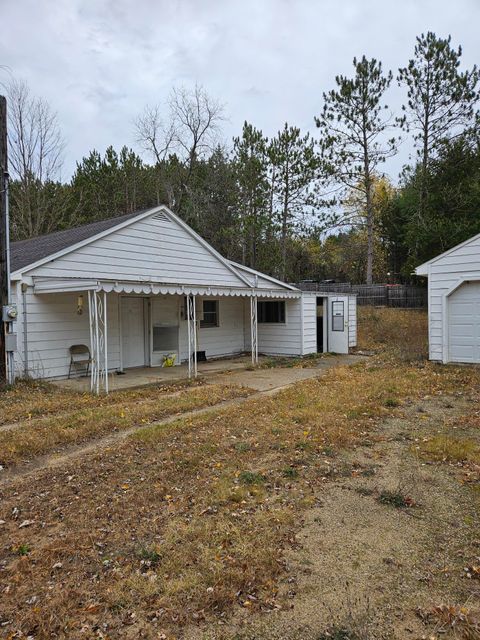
(225, 340)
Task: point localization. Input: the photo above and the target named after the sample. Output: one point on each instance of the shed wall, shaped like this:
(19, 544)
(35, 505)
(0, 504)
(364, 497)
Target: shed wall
(444, 274)
(279, 339)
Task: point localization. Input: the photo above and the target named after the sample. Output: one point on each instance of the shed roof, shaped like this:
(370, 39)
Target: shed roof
(422, 270)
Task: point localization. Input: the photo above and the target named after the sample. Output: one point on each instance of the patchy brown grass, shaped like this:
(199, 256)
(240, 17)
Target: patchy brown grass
(117, 412)
(184, 521)
(28, 399)
(400, 334)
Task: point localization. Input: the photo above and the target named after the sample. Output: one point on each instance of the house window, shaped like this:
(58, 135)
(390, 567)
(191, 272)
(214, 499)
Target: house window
(271, 311)
(210, 314)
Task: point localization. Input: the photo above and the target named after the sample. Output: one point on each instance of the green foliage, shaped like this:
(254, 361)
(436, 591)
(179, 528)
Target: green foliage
(255, 223)
(441, 99)
(116, 184)
(451, 213)
(251, 477)
(294, 167)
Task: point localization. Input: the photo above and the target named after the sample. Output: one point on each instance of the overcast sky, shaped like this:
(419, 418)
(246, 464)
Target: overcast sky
(99, 62)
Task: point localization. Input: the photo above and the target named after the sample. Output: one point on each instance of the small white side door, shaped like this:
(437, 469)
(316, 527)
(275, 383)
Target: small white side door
(338, 324)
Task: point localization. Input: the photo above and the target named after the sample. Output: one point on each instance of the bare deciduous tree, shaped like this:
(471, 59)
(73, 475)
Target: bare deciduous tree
(191, 130)
(35, 160)
(196, 119)
(152, 133)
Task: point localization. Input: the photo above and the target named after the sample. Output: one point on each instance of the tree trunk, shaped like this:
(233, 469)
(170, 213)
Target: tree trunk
(286, 200)
(368, 202)
(370, 237)
(425, 152)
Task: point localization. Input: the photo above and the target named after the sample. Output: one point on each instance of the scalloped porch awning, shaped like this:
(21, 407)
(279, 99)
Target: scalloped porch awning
(66, 285)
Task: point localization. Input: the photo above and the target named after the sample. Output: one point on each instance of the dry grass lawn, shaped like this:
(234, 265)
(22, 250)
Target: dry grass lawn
(49, 429)
(188, 525)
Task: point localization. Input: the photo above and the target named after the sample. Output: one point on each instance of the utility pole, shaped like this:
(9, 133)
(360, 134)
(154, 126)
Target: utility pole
(4, 267)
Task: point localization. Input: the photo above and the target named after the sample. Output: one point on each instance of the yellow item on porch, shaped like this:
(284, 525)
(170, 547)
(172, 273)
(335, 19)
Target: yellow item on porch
(169, 361)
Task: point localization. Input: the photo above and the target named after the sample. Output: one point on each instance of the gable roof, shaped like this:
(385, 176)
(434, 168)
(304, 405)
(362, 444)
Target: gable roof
(262, 276)
(422, 270)
(26, 252)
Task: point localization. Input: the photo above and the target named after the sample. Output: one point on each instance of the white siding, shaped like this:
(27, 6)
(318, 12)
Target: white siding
(147, 250)
(352, 321)
(226, 339)
(282, 339)
(53, 325)
(309, 303)
(444, 274)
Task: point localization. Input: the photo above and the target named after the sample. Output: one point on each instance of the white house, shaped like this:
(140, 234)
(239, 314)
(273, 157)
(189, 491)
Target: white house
(140, 287)
(454, 303)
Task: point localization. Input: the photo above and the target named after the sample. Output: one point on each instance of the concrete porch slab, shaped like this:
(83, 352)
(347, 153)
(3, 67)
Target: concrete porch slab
(281, 376)
(228, 371)
(143, 376)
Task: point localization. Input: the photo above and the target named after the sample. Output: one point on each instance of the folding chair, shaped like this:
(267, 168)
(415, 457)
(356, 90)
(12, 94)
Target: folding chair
(79, 357)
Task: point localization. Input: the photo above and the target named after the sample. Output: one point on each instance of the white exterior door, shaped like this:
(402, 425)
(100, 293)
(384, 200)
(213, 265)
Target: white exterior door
(338, 324)
(464, 323)
(133, 332)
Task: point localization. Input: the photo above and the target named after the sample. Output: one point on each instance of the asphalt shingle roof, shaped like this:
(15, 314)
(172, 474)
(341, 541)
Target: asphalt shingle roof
(25, 252)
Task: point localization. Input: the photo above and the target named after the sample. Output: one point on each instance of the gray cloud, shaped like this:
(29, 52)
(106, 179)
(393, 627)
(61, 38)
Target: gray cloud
(99, 62)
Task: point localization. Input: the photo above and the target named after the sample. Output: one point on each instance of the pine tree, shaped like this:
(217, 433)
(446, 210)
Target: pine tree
(441, 100)
(251, 164)
(295, 165)
(353, 141)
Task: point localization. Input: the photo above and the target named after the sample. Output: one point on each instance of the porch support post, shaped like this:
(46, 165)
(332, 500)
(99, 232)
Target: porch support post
(93, 340)
(105, 347)
(97, 314)
(253, 329)
(192, 335)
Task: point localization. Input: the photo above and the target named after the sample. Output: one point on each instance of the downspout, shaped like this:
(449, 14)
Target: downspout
(25, 328)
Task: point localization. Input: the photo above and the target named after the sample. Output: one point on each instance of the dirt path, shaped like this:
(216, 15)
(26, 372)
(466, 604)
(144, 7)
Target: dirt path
(366, 565)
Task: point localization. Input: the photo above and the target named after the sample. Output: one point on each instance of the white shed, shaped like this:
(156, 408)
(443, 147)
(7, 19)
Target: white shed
(454, 303)
(140, 288)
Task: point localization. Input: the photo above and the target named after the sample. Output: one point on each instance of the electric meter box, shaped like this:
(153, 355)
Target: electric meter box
(10, 342)
(9, 313)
